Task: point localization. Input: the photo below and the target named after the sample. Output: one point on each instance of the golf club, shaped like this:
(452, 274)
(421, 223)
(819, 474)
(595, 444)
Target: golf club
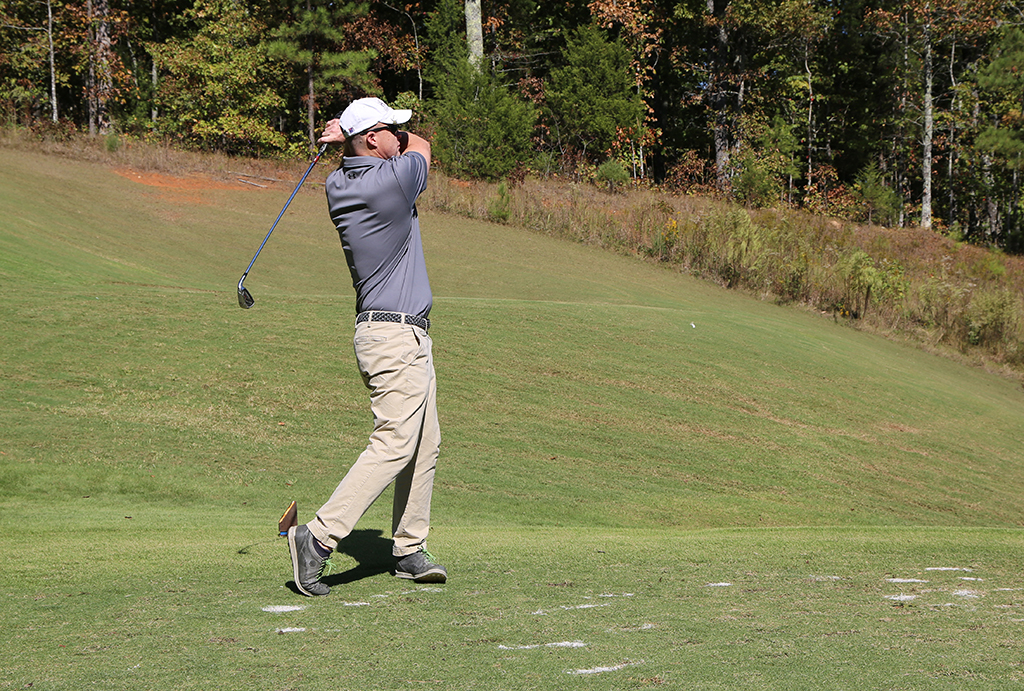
(245, 299)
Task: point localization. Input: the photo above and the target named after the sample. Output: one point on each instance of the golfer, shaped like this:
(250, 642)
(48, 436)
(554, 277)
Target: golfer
(372, 201)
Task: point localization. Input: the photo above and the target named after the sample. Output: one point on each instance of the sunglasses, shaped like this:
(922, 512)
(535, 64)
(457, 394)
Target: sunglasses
(393, 129)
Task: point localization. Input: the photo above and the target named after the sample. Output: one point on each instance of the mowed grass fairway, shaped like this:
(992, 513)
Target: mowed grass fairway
(645, 482)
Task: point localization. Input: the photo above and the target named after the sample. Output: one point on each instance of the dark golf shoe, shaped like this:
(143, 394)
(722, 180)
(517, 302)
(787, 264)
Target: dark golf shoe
(420, 567)
(307, 564)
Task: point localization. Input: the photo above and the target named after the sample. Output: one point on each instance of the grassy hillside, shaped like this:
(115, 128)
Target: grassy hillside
(557, 362)
(615, 434)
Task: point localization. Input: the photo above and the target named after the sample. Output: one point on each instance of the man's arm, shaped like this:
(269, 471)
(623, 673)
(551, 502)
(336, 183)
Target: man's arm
(409, 142)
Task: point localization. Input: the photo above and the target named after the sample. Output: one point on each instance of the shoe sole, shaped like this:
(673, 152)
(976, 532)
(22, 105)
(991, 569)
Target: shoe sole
(429, 576)
(294, 551)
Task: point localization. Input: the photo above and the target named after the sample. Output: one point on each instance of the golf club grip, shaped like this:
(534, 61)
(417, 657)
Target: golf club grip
(325, 146)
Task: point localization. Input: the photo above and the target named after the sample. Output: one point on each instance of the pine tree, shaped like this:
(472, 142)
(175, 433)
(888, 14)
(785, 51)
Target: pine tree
(1003, 81)
(314, 40)
(592, 93)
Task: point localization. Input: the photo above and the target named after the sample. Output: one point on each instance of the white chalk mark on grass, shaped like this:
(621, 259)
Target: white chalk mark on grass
(283, 608)
(970, 578)
(969, 594)
(355, 604)
(599, 670)
(905, 580)
(290, 630)
(561, 644)
(826, 578)
(543, 613)
(717, 585)
(901, 598)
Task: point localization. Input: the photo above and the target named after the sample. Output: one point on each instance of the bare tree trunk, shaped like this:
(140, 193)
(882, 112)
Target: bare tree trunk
(53, 72)
(90, 79)
(99, 82)
(105, 80)
(991, 208)
(310, 88)
(929, 132)
(719, 104)
(953, 210)
(810, 117)
(152, 111)
(311, 108)
(474, 33)
(900, 174)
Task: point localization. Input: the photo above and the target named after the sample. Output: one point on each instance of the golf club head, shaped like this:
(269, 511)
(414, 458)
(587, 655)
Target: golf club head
(245, 300)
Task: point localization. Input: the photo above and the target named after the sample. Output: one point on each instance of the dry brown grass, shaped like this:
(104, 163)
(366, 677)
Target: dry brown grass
(909, 284)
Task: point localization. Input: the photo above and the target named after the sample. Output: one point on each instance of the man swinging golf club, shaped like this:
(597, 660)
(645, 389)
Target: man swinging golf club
(372, 201)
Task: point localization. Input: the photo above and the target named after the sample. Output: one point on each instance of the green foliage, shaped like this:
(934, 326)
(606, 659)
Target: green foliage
(498, 209)
(24, 62)
(992, 317)
(879, 203)
(216, 88)
(313, 41)
(742, 246)
(865, 279)
(978, 317)
(754, 185)
(592, 93)
(482, 129)
(613, 174)
(1003, 80)
(765, 168)
(860, 277)
(446, 34)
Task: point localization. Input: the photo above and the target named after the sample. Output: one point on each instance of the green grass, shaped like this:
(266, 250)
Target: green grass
(610, 428)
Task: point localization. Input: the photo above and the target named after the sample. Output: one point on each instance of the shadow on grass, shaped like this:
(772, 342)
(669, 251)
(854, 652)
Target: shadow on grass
(372, 553)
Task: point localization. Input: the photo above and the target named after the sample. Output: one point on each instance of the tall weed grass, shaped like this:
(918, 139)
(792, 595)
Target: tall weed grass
(910, 283)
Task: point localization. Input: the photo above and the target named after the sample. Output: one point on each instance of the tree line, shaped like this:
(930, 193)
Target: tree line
(899, 113)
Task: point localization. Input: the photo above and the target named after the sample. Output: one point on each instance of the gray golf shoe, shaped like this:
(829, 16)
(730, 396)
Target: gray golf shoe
(420, 568)
(307, 565)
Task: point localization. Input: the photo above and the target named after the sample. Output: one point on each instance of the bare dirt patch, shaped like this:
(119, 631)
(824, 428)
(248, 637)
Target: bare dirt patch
(179, 189)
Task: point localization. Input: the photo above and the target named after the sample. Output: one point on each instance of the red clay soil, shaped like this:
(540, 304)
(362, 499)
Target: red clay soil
(178, 189)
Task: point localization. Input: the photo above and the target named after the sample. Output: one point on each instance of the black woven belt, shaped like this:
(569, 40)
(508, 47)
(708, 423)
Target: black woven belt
(394, 318)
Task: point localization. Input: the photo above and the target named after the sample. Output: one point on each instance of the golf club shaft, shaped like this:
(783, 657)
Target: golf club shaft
(309, 170)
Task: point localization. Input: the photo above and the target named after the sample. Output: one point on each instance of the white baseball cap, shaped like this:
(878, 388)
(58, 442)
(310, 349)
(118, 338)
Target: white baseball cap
(364, 113)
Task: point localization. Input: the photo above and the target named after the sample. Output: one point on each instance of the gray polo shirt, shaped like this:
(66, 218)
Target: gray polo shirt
(373, 204)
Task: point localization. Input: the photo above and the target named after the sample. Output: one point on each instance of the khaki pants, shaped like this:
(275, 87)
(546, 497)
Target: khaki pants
(398, 369)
